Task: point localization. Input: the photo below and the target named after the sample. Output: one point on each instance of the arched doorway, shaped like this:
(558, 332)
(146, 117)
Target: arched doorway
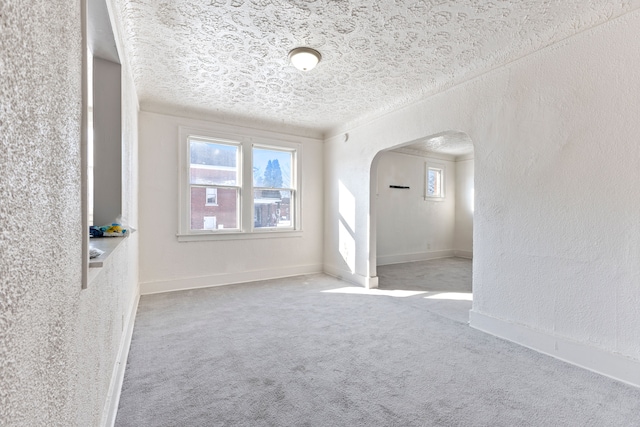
(422, 196)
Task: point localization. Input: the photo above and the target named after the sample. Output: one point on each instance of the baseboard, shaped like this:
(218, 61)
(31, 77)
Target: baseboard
(186, 283)
(612, 365)
(117, 377)
(348, 276)
(463, 254)
(413, 257)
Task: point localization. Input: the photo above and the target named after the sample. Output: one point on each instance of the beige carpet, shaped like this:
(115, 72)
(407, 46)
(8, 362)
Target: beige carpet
(316, 351)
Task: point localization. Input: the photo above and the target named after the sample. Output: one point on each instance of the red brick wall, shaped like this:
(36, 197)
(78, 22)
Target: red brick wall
(225, 212)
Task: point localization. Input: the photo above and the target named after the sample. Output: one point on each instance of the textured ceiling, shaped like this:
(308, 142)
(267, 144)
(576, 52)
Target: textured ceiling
(228, 58)
(452, 143)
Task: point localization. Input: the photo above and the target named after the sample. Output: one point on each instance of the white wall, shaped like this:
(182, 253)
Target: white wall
(107, 135)
(557, 195)
(166, 264)
(58, 343)
(410, 228)
(463, 238)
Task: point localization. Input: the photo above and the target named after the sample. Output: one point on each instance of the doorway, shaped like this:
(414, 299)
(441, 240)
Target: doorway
(422, 197)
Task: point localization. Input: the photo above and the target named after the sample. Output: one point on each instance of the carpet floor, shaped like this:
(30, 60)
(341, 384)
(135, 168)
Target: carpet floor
(446, 283)
(316, 351)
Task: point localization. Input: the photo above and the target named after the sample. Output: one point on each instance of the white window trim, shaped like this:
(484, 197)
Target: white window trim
(434, 165)
(245, 228)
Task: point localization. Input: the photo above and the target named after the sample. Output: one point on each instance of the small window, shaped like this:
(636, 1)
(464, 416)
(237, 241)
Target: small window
(211, 197)
(210, 223)
(273, 189)
(435, 182)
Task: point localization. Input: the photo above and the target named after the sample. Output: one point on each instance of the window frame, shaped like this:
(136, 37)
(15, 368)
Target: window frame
(293, 189)
(238, 187)
(245, 229)
(429, 165)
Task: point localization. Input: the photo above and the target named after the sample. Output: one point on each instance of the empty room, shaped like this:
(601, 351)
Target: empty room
(319, 213)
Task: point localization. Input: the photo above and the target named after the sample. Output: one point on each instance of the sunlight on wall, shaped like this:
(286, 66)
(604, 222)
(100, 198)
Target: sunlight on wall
(347, 206)
(472, 199)
(347, 226)
(347, 246)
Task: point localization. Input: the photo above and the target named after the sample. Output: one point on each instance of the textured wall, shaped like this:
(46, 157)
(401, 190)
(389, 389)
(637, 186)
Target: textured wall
(106, 306)
(557, 194)
(104, 309)
(47, 375)
(40, 101)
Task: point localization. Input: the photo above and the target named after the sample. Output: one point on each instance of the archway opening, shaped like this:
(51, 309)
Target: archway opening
(422, 201)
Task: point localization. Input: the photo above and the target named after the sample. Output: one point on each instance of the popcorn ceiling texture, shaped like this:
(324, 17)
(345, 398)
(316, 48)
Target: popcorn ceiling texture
(453, 143)
(58, 344)
(40, 235)
(229, 57)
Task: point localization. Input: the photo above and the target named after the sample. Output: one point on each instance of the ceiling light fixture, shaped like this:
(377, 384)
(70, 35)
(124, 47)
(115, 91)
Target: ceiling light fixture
(304, 58)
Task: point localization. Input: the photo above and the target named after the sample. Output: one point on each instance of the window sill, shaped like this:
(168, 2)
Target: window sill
(238, 235)
(107, 244)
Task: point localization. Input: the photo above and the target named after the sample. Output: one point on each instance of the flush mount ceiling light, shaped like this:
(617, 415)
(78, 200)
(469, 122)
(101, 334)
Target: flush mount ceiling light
(304, 58)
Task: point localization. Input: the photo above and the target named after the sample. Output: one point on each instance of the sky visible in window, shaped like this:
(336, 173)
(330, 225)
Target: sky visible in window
(261, 158)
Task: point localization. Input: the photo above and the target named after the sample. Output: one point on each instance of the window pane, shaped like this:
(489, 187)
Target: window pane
(272, 208)
(213, 164)
(211, 197)
(272, 168)
(224, 214)
(434, 183)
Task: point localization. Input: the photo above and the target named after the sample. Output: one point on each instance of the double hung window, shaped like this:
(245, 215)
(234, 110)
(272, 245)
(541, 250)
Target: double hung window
(233, 187)
(214, 184)
(273, 190)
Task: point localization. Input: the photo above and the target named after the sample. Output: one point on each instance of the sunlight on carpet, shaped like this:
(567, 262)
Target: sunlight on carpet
(398, 293)
(376, 292)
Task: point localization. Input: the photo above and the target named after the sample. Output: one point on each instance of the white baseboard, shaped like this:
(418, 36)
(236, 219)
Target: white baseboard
(348, 276)
(612, 365)
(117, 377)
(186, 283)
(463, 254)
(412, 257)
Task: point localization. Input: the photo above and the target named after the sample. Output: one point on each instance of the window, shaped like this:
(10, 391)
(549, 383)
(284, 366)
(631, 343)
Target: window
(237, 187)
(434, 182)
(211, 197)
(214, 183)
(273, 191)
(210, 222)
